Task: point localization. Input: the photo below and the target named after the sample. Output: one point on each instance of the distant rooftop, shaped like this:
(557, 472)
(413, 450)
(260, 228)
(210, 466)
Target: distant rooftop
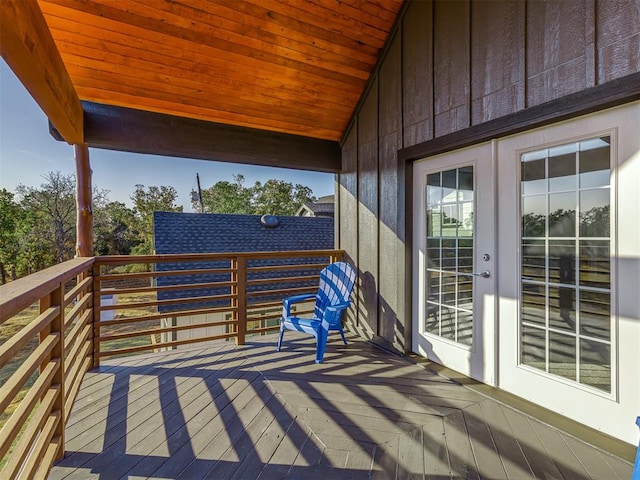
(323, 207)
(219, 233)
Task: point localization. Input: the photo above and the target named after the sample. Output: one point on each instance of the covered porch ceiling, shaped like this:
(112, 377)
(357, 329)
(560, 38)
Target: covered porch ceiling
(200, 78)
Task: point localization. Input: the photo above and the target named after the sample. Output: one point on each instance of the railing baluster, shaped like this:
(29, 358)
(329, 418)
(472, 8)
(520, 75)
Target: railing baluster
(95, 315)
(241, 286)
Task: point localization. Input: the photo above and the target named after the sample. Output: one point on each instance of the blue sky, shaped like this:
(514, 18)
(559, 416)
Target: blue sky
(28, 151)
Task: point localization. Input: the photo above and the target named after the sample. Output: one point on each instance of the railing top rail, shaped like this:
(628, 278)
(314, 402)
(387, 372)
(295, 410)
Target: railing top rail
(19, 294)
(119, 259)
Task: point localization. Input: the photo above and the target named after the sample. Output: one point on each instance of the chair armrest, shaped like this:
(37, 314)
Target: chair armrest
(332, 313)
(338, 307)
(287, 302)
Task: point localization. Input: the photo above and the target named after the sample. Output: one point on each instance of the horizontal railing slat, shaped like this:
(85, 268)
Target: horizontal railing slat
(26, 334)
(17, 295)
(160, 303)
(77, 308)
(19, 416)
(75, 388)
(28, 438)
(169, 314)
(15, 383)
(35, 458)
(156, 346)
(154, 331)
(81, 287)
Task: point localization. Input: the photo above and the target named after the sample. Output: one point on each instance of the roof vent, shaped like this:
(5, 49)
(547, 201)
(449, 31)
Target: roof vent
(269, 221)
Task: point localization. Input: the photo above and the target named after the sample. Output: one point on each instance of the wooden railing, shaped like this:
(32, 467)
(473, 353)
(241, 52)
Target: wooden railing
(58, 323)
(42, 363)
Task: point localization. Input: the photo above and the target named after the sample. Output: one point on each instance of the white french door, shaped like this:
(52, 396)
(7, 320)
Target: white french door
(454, 306)
(569, 268)
(526, 266)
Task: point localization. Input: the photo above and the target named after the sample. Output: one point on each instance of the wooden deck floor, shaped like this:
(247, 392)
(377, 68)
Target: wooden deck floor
(248, 412)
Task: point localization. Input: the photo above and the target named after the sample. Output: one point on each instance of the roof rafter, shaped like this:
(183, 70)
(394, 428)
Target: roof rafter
(28, 48)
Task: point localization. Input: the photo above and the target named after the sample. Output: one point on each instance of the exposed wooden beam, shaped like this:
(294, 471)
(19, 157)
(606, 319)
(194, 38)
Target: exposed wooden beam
(84, 222)
(28, 48)
(125, 129)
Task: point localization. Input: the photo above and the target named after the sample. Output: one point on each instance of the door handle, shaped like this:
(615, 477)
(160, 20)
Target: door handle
(484, 274)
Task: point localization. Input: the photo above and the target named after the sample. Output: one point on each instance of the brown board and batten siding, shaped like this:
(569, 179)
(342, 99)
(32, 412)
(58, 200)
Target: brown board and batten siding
(347, 204)
(368, 195)
(390, 224)
(473, 70)
(451, 66)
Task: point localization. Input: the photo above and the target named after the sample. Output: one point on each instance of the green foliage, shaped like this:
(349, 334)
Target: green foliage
(275, 197)
(10, 217)
(227, 197)
(51, 215)
(145, 202)
(114, 229)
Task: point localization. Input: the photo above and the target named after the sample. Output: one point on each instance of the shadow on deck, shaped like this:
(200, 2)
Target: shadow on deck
(227, 412)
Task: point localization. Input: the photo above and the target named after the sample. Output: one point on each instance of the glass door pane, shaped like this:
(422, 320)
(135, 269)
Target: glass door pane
(450, 247)
(565, 299)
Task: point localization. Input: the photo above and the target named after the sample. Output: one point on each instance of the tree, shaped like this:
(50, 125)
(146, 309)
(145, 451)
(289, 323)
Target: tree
(52, 212)
(146, 201)
(275, 197)
(227, 197)
(10, 219)
(114, 229)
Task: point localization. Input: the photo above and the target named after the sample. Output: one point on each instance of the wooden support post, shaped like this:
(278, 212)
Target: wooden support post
(241, 285)
(84, 224)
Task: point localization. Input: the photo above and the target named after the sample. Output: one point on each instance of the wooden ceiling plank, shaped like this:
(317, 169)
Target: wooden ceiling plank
(340, 26)
(255, 66)
(213, 30)
(129, 83)
(156, 20)
(30, 51)
(289, 116)
(306, 37)
(114, 55)
(231, 34)
(207, 114)
(196, 64)
(345, 9)
(385, 10)
(337, 20)
(145, 132)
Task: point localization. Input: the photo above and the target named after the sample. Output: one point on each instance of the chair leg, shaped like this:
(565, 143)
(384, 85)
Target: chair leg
(321, 344)
(342, 334)
(280, 337)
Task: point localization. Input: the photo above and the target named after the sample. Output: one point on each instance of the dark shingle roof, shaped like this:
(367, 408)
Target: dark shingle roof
(218, 233)
(221, 233)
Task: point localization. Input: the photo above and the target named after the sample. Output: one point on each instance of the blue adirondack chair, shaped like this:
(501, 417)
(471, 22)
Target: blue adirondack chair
(336, 283)
(635, 475)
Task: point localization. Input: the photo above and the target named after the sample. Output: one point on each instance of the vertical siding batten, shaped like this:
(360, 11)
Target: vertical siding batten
(368, 212)
(391, 195)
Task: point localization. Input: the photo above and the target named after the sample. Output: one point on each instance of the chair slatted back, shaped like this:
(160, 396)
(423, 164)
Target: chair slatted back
(336, 283)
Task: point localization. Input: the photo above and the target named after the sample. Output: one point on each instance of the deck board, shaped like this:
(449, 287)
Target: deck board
(250, 412)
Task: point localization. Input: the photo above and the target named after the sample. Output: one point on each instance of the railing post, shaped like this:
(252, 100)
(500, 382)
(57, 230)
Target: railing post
(95, 314)
(241, 285)
(57, 326)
